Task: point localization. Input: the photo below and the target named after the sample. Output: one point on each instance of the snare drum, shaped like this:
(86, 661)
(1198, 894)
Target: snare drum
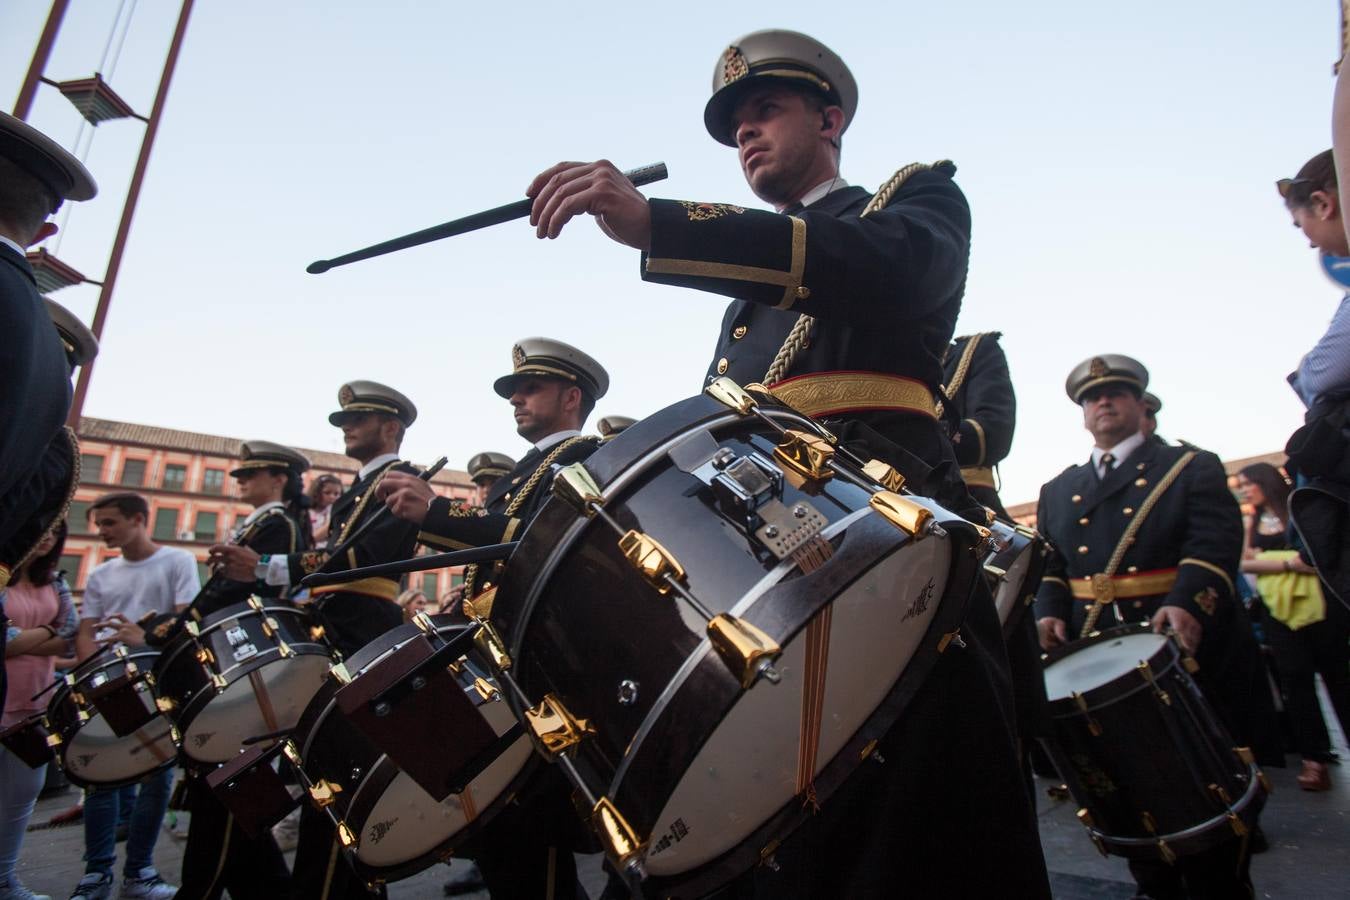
(246, 670)
(391, 828)
(697, 766)
(1014, 567)
(1155, 773)
(89, 746)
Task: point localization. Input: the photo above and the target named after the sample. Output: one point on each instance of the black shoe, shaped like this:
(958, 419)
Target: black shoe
(464, 882)
(122, 834)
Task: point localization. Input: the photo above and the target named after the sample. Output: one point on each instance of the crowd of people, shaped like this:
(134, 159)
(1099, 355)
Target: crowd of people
(844, 306)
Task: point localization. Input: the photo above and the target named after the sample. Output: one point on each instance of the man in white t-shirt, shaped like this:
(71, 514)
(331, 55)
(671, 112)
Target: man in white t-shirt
(145, 578)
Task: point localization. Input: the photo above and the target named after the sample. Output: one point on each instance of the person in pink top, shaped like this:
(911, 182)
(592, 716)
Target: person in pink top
(41, 625)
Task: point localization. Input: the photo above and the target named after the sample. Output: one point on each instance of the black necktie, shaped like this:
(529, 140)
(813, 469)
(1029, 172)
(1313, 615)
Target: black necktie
(792, 209)
(1108, 463)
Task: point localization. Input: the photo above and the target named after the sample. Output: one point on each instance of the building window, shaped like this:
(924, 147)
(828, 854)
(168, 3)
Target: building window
(91, 467)
(133, 473)
(456, 579)
(429, 587)
(212, 481)
(77, 522)
(174, 476)
(70, 564)
(206, 526)
(166, 524)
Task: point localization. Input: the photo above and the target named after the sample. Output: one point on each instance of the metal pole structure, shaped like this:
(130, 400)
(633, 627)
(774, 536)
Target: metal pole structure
(40, 55)
(129, 209)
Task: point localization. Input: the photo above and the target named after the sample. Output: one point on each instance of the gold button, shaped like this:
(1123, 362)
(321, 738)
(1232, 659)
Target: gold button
(1129, 510)
(1140, 467)
(1132, 569)
(1077, 498)
(738, 332)
(722, 366)
(1083, 549)
(1083, 521)
(803, 292)
(506, 497)
(1140, 482)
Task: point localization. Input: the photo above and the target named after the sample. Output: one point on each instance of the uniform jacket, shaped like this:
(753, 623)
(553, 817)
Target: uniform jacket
(885, 291)
(272, 532)
(983, 407)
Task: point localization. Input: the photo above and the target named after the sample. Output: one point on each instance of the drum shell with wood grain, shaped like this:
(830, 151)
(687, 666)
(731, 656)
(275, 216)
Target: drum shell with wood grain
(711, 775)
(1142, 750)
(250, 670)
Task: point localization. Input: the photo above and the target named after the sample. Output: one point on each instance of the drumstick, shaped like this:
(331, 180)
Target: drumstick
(517, 210)
(378, 516)
(416, 564)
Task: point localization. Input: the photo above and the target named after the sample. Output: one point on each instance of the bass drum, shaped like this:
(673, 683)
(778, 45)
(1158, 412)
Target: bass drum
(1014, 567)
(91, 751)
(396, 828)
(249, 670)
(705, 767)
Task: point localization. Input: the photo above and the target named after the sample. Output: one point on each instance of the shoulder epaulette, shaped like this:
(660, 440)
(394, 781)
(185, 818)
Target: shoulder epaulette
(886, 193)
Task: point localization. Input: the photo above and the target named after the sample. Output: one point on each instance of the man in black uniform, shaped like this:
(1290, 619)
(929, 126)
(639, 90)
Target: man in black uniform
(1176, 573)
(38, 457)
(220, 855)
(373, 419)
(1149, 425)
(485, 470)
(526, 851)
(979, 392)
(844, 306)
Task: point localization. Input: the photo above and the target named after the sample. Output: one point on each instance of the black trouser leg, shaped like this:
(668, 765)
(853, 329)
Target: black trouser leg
(1330, 650)
(320, 872)
(1220, 873)
(219, 855)
(1297, 669)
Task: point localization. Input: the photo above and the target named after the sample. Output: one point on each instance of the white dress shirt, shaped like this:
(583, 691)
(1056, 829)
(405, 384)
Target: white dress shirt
(1120, 452)
(818, 192)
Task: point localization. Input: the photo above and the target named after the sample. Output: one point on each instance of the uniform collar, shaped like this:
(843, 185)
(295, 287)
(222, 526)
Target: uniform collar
(375, 463)
(12, 245)
(261, 511)
(555, 438)
(1120, 451)
(819, 192)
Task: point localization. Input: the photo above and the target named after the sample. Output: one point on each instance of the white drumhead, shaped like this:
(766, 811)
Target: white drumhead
(406, 823)
(98, 755)
(268, 699)
(1098, 664)
(747, 770)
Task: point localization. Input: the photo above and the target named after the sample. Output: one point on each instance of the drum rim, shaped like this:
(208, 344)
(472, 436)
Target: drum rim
(183, 640)
(1164, 659)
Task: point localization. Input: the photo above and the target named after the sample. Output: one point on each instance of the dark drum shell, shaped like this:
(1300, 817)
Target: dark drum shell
(1142, 751)
(674, 729)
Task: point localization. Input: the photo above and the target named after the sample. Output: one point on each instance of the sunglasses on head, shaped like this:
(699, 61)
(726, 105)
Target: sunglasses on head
(1286, 186)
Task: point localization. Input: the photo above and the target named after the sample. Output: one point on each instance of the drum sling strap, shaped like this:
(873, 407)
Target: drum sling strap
(1102, 587)
(962, 369)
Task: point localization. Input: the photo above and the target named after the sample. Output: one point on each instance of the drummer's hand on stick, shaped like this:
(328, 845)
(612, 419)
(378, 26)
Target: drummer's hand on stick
(1052, 632)
(598, 188)
(233, 562)
(123, 630)
(1183, 623)
(407, 496)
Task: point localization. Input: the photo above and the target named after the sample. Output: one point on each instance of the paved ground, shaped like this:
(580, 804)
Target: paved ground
(1309, 858)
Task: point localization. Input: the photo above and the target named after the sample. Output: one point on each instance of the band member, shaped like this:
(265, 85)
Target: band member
(979, 391)
(1149, 424)
(38, 457)
(526, 850)
(373, 419)
(485, 469)
(844, 304)
(1176, 572)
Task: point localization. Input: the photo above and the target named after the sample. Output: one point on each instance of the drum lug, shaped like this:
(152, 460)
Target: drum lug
(1249, 760)
(120, 651)
(423, 622)
(554, 726)
(175, 735)
(219, 682)
(338, 672)
(480, 607)
(653, 561)
(884, 474)
(323, 792)
(269, 626)
(1085, 816)
(807, 455)
(1147, 671)
(81, 716)
(292, 752)
(316, 633)
(285, 649)
(951, 637)
(205, 656)
(53, 741)
(576, 486)
(345, 836)
(995, 572)
(1189, 664)
(165, 704)
(486, 690)
(490, 644)
(255, 602)
(731, 395)
(191, 628)
(746, 650)
(1168, 855)
(620, 840)
(768, 856)
(1094, 727)
(910, 517)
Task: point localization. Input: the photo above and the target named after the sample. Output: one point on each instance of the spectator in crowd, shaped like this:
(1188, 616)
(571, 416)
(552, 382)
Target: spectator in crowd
(323, 493)
(1307, 635)
(412, 603)
(41, 624)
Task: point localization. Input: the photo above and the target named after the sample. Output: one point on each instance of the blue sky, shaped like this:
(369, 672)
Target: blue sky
(1119, 163)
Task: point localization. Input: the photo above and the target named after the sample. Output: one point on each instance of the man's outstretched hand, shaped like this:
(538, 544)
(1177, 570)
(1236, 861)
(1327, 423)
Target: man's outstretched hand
(598, 188)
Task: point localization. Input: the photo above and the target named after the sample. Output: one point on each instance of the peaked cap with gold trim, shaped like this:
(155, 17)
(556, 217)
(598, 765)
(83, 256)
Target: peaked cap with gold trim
(80, 344)
(46, 160)
(1109, 368)
(490, 465)
(547, 358)
(1152, 403)
(357, 397)
(267, 455)
(612, 425)
(776, 55)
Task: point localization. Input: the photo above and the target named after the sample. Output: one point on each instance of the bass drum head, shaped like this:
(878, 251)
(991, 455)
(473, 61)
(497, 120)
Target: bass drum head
(266, 700)
(1099, 663)
(749, 767)
(96, 756)
(406, 823)
(1009, 592)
